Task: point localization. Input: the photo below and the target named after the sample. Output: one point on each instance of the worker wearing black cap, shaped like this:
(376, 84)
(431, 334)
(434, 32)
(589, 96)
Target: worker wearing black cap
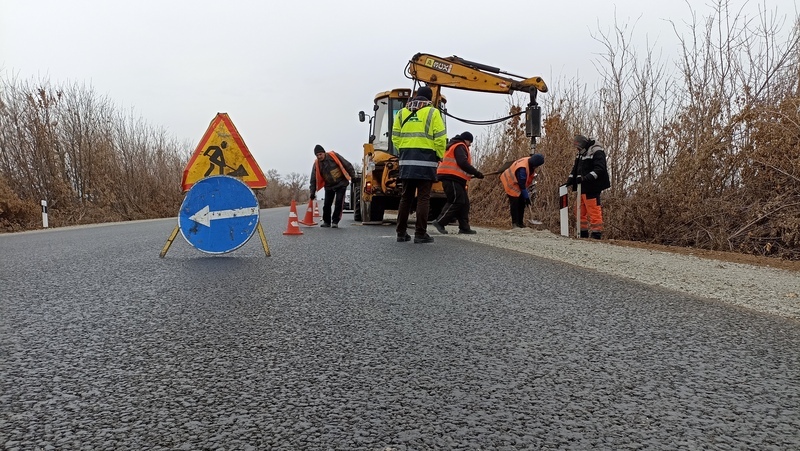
(420, 137)
(332, 172)
(454, 172)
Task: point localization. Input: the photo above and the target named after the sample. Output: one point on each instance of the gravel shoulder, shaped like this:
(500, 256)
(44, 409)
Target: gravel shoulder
(765, 289)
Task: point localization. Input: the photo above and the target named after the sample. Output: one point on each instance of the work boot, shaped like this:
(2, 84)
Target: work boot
(325, 224)
(467, 231)
(335, 225)
(584, 234)
(439, 227)
(423, 239)
(519, 226)
(403, 238)
(597, 235)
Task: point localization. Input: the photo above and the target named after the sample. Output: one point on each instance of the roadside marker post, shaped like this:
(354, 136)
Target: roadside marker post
(578, 212)
(44, 214)
(564, 212)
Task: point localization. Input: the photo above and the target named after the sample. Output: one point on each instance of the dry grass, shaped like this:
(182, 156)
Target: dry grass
(706, 158)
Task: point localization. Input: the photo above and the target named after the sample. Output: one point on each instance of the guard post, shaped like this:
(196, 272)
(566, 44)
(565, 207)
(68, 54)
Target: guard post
(44, 214)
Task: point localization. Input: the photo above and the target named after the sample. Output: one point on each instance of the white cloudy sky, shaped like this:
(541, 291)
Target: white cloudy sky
(294, 74)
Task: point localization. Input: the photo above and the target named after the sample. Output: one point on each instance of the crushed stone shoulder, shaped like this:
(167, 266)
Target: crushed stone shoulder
(769, 290)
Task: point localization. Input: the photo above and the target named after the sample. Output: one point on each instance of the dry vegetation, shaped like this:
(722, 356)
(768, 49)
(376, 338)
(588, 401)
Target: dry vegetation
(72, 148)
(703, 154)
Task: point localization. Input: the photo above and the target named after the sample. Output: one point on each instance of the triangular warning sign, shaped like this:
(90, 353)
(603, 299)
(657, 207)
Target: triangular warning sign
(222, 152)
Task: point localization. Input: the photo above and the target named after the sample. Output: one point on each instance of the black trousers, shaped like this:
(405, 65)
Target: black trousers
(331, 195)
(517, 207)
(422, 189)
(457, 206)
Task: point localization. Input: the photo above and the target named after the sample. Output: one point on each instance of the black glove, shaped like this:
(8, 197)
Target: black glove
(527, 201)
(570, 181)
(312, 196)
(579, 179)
(479, 175)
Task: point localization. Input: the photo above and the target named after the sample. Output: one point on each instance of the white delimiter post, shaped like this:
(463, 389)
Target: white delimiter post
(578, 212)
(44, 214)
(562, 193)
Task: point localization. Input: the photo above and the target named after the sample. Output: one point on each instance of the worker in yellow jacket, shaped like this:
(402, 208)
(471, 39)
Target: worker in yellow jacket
(420, 137)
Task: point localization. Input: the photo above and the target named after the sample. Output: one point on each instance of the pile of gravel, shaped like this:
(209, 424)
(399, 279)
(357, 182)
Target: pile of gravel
(768, 290)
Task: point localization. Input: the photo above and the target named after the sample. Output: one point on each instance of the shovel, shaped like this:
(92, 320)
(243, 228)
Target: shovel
(533, 221)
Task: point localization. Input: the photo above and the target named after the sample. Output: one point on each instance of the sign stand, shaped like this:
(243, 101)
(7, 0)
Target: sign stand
(169, 241)
(219, 214)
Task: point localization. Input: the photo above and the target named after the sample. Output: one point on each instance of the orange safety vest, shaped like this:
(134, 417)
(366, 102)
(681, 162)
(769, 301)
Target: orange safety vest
(320, 179)
(509, 179)
(449, 165)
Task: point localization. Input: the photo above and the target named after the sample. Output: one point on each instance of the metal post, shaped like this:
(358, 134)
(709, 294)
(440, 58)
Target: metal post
(564, 199)
(44, 214)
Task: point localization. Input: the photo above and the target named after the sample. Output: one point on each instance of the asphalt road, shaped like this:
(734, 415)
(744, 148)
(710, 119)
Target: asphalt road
(346, 339)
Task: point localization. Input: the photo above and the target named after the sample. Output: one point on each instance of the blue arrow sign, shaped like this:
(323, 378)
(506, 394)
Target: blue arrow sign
(219, 214)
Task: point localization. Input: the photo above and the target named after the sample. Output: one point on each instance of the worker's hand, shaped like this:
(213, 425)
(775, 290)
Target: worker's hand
(312, 196)
(479, 175)
(579, 179)
(570, 181)
(527, 201)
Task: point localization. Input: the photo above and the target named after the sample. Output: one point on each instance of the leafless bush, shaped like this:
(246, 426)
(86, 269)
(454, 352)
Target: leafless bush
(90, 162)
(705, 157)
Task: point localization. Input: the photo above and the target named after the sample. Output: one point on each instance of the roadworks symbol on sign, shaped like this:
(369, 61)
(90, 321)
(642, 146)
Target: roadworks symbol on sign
(223, 152)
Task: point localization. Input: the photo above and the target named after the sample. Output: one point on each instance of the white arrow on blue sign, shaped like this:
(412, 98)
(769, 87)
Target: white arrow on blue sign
(219, 214)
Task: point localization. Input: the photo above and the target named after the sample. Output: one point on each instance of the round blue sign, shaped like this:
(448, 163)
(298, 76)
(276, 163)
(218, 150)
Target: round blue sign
(219, 214)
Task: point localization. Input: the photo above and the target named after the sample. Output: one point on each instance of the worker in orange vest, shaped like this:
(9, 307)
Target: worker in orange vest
(332, 172)
(516, 180)
(455, 171)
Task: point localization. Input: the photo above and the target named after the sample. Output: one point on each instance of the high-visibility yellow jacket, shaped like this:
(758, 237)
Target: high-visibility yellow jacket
(420, 138)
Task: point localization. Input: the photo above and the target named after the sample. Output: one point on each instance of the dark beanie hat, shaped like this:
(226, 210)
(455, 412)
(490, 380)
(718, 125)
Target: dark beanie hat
(467, 136)
(536, 160)
(582, 142)
(426, 92)
(318, 149)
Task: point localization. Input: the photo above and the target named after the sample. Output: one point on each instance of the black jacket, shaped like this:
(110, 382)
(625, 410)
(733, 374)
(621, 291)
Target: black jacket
(590, 164)
(331, 173)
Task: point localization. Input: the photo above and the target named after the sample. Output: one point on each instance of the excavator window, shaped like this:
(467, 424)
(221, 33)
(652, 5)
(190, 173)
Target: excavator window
(383, 128)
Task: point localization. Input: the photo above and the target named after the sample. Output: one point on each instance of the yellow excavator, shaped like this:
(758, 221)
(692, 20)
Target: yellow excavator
(379, 187)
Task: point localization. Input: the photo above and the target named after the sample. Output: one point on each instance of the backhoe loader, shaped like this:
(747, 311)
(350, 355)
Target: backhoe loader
(379, 187)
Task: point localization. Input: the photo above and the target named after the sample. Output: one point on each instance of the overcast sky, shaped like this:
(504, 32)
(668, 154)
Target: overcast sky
(294, 74)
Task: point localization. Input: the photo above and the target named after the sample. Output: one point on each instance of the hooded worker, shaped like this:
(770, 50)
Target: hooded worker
(332, 172)
(420, 138)
(454, 172)
(591, 173)
(516, 180)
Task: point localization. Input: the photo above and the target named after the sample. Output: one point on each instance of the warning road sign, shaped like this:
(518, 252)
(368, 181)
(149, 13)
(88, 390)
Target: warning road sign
(223, 152)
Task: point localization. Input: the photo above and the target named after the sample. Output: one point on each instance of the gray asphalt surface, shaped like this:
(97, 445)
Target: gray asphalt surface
(345, 339)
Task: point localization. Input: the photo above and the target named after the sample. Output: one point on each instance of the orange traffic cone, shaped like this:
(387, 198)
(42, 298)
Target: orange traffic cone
(316, 210)
(309, 219)
(292, 228)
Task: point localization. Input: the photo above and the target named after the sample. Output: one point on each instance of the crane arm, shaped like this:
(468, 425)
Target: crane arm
(458, 73)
